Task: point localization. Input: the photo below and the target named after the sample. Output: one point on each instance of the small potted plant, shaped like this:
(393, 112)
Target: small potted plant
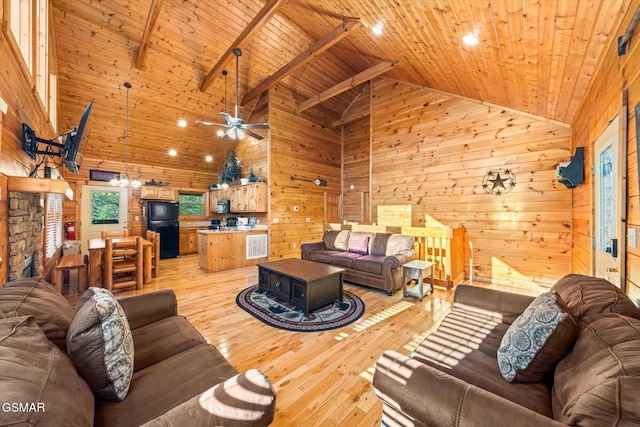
(252, 176)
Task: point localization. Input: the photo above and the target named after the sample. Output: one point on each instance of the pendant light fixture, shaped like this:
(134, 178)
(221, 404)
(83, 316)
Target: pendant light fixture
(123, 181)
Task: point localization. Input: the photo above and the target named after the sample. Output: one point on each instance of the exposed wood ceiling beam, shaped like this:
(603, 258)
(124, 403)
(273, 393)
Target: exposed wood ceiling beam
(348, 25)
(265, 14)
(345, 85)
(350, 118)
(154, 11)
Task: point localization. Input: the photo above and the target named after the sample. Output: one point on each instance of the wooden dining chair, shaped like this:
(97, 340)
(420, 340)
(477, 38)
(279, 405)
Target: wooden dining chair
(122, 264)
(115, 233)
(154, 238)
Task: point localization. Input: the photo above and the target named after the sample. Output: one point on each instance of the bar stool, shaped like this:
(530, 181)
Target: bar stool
(154, 238)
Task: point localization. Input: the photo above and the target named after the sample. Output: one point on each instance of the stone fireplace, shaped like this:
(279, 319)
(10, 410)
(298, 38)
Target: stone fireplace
(25, 224)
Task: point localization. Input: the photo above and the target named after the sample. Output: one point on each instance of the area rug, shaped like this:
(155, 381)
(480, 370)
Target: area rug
(280, 314)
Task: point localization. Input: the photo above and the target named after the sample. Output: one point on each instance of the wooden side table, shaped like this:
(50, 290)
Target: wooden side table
(68, 263)
(415, 270)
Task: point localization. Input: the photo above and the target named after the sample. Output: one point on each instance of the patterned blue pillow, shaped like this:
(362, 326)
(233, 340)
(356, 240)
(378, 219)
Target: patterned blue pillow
(537, 340)
(100, 344)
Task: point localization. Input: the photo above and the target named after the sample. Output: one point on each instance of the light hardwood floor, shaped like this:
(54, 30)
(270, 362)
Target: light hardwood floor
(321, 379)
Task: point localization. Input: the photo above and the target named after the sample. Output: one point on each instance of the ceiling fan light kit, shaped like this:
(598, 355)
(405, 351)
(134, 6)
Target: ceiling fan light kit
(123, 181)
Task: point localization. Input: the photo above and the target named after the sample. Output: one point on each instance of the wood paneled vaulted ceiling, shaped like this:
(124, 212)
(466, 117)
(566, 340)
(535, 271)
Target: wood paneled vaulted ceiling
(534, 56)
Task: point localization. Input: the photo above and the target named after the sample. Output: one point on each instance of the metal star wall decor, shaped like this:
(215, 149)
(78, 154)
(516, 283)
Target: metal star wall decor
(499, 181)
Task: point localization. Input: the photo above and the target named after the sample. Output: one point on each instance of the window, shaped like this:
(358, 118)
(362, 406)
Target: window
(105, 207)
(53, 225)
(42, 51)
(26, 26)
(193, 204)
(53, 101)
(21, 25)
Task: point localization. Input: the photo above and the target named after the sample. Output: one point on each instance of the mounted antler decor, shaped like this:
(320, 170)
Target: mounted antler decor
(318, 181)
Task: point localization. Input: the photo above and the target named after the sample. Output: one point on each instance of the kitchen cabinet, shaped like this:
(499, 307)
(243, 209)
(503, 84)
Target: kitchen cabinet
(153, 192)
(189, 240)
(214, 196)
(244, 198)
(184, 241)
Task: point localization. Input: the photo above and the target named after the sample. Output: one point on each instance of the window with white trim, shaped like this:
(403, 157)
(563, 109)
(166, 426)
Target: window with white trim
(53, 224)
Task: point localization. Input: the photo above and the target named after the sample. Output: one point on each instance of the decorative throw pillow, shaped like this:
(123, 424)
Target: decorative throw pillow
(341, 240)
(358, 243)
(100, 344)
(537, 340)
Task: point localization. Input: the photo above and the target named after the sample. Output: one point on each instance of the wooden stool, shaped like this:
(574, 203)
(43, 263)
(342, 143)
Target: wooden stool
(67, 264)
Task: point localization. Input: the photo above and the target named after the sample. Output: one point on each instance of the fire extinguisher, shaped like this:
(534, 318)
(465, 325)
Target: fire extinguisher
(69, 230)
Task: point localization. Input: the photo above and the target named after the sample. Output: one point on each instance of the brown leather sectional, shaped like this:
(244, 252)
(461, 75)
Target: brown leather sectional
(379, 265)
(453, 378)
(178, 379)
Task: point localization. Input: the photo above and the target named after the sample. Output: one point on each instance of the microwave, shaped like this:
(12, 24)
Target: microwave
(224, 206)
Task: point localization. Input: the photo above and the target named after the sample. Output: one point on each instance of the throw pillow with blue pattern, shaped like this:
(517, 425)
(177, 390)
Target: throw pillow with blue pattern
(537, 340)
(101, 345)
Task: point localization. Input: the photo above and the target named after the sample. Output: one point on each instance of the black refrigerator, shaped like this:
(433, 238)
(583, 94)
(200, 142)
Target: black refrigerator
(162, 217)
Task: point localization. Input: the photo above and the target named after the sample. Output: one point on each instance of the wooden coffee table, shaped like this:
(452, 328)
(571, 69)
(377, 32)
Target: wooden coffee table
(306, 284)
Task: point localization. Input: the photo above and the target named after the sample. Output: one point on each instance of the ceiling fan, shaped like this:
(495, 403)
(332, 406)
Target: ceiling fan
(237, 128)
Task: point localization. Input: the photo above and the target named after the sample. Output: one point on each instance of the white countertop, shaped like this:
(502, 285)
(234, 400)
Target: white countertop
(243, 229)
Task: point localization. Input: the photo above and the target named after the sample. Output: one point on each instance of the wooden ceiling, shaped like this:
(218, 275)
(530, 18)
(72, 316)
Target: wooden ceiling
(536, 56)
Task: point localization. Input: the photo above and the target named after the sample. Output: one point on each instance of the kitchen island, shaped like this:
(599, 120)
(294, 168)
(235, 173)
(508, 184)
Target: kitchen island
(220, 250)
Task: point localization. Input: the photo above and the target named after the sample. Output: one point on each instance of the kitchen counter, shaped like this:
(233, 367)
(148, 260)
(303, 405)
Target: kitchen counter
(245, 228)
(230, 230)
(234, 247)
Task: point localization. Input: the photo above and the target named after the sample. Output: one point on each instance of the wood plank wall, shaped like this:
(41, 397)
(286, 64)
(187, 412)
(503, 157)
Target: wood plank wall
(602, 103)
(431, 150)
(355, 171)
(177, 178)
(307, 147)
(23, 106)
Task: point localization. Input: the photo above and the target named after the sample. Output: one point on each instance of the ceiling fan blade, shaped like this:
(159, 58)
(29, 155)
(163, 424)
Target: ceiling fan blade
(202, 122)
(228, 118)
(255, 135)
(255, 126)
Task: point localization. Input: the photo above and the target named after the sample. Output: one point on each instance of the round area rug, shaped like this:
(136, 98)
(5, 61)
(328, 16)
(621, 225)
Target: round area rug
(283, 315)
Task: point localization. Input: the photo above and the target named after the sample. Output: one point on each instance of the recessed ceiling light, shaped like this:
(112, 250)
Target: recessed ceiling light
(470, 39)
(220, 132)
(182, 123)
(173, 153)
(377, 29)
(209, 159)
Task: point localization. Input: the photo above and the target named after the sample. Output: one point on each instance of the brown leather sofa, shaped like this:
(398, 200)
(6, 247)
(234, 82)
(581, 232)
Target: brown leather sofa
(178, 379)
(378, 264)
(453, 377)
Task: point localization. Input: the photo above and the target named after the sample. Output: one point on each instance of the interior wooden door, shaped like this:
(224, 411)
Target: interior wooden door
(331, 207)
